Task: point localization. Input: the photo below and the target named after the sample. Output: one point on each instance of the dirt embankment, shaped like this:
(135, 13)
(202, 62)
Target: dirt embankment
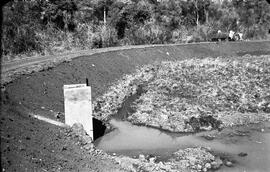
(31, 145)
(42, 91)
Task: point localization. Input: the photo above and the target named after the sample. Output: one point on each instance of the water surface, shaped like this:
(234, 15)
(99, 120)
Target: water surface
(132, 140)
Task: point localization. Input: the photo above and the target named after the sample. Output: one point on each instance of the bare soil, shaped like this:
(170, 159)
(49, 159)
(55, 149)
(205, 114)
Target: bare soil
(31, 145)
(28, 144)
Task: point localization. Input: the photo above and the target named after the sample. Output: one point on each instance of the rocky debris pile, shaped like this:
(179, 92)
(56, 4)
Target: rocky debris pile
(185, 93)
(189, 159)
(195, 94)
(237, 118)
(196, 159)
(143, 164)
(109, 103)
(83, 139)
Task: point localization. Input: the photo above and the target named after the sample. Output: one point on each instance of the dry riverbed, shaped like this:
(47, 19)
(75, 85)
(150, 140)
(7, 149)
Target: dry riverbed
(193, 95)
(190, 96)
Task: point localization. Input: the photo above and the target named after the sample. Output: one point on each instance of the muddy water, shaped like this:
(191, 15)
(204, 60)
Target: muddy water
(131, 140)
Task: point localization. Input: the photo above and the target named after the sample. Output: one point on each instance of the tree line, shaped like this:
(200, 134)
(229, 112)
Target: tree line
(45, 26)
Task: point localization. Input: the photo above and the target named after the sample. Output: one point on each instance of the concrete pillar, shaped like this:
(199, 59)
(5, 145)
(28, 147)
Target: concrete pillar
(78, 106)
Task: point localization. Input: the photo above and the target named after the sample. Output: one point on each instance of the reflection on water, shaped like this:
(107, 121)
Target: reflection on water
(131, 140)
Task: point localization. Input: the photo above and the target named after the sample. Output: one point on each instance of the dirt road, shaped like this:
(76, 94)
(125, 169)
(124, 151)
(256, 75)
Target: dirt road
(17, 63)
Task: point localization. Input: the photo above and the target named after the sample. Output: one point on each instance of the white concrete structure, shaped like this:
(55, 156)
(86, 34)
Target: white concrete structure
(78, 106)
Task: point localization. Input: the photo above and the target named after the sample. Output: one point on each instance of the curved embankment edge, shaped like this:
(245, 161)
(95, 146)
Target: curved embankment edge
(42, 93)
(23, 62)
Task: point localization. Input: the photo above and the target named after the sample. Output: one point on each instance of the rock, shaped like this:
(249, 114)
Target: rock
(208, 165)
(208, 137)
(78, 129)
(229, 164)
(164, 117)
(97, 152)
(64, 148)
(199, 167)
(87, 139)
(165, 167)
(204, 169)
(89, 146)
(242, 133)
(22, 148)
(216, 164)
(141, 157)
(57, 115)
(242, 154)
(192, 160)
(208, 128)
(152, 159)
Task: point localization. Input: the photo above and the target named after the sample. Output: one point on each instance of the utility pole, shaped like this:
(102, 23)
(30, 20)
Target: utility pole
(104, 12)
(104, 15)
(197, 12)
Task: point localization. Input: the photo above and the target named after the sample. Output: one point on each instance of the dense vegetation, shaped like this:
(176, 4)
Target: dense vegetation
(195, 94)
(54, 25)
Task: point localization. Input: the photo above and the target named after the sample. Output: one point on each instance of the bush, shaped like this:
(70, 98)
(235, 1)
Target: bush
(179, 35)
(48, 26)
(23, 41)
(85, 37)
(53, 39)
(19, 34)
(149, 33)
(255, 32)
(88, 36)
(108, 36)
(204, 33)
